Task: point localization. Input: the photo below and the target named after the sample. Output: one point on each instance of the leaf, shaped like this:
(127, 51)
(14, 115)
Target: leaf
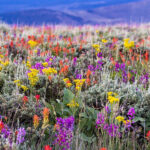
(136, 119)
(68, 96)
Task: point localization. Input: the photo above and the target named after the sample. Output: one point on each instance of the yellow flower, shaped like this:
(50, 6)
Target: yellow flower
(1, 68)
(65, 79)
(32, 43)
(32, 76)
(1, 56)
(45, 64)
(104, 40)
(24, 88)
(16, 81)
(112, 97)
(73, 104)
(128, 44)
(49, 71)
(35, 51)
(28, 64)
(79, 83)
(5, 63)
(120, 119)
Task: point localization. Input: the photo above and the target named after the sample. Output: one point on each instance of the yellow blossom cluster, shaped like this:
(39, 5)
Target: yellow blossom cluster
(79, 83)
(67, 82)
(97, 48)
(28, 64)
(112, 97)
(32, 43)
(45, 64)
(48, 71)
(104, 41)
(120, 119)
(32, 76)
(18, 83)
(128, 44)
(73, 104)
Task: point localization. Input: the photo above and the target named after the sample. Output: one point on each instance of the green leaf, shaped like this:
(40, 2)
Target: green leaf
(68, 96)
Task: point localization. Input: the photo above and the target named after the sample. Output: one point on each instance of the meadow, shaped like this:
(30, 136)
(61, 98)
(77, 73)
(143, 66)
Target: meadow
(75, 87)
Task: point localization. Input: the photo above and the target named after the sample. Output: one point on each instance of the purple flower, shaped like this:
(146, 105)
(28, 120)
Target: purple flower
(131, 113)
(100, 121)
(20, 136)
(112, 130)
(117, 67)
(64, 132)
(74, 61)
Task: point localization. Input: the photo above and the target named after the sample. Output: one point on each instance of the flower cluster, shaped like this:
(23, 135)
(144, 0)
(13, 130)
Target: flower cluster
(112, 97)
(32, 76)
(49, 71)
(128, 44)
(64, 132)
(67, 82)
(79, 83)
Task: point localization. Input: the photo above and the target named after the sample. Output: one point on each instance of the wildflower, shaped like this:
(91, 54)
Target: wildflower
(25, 99)
(131, 113)
(48, 71)
(100, 121)
(45, 64)
(67, 82)
(47, 147)
(148, 136)
(37, 98)
(79, 83)
(104, 40)
(120, 119)
(45, 116)
(64, 134)
(28, 64)
(73, 104)
(103, 148)
(32, 76)
(32, 43)
(35, 121)
(112, 97)
(20, 136)
(1, 126)
(24, 88)
(128, 44)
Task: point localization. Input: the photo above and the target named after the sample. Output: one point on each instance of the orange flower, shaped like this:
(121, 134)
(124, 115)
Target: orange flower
(45, 116)
(35, 121)
(103, 148)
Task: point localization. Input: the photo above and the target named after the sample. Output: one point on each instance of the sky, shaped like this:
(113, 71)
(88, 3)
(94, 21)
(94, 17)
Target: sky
(15, 5)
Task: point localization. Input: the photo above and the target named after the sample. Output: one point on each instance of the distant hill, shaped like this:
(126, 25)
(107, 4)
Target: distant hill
(131, 12)
(40, 16)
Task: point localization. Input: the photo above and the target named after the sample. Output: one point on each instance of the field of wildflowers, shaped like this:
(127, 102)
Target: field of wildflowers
(74, 88)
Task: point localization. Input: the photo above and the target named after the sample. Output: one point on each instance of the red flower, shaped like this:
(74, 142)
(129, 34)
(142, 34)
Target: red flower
(37, 97)
(25, 99)
(1, 125)
(103, 148)
(148, 135)
(47, 147)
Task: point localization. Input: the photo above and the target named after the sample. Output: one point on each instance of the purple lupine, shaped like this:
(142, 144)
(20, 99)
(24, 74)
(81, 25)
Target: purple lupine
(131, 113)
(117, 67)
(99, 55)
(21, 135)
(144, 79)
(100, 121)
(74, 61)
(113, 130)
(64, 132)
